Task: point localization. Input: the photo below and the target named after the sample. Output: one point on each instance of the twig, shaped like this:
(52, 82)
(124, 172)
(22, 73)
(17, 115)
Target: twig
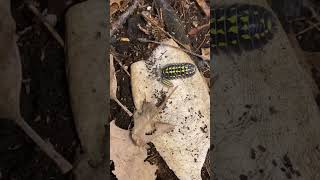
(123, 107)
(308, 29)
(121, 65)
(145, 15)
(62, 163)
(311, 24)
(122, 19)
(164, 44)
(113, 52)
(48, 26)
(194, 31)
(205, 8)
(203, 41)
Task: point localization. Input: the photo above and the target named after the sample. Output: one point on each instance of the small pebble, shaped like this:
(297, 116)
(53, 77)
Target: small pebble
(195, 23)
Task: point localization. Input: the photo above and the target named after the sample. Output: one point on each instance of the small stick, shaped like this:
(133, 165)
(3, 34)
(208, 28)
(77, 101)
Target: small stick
(123, 107)
(122, 19)
(119, 62)
(62, 163)
(115, 57)
(203, 41)
(308, 29)
(311, 24)
(164, 44)
(161, 29)
(48, 26)
(194, 31)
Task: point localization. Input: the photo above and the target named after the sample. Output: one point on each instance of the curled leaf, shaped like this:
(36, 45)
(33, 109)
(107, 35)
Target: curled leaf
(204, 6)
(146, 127)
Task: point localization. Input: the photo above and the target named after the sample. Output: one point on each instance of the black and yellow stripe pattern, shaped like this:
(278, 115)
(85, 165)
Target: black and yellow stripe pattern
(177, 71)
(240, 27)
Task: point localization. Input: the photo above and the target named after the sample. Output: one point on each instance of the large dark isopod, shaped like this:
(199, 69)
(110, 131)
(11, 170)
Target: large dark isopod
(241, 27)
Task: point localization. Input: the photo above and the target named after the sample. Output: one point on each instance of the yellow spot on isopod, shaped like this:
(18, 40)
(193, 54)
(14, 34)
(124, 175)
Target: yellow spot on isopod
(244, 19)
(220, 31)
(167, 82)
(232, 19)
(222, 19)
(245, 28)
(246, 36)
(222, 44)
(233, 29)
(213, 31)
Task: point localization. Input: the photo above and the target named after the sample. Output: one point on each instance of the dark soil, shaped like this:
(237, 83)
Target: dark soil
(44, 102)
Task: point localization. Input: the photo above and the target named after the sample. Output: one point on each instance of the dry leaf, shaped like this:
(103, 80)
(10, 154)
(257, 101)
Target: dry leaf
(118, 5)
(146, 128)
(205, 52)
(128, 158)
(205, 8)
(113, 79)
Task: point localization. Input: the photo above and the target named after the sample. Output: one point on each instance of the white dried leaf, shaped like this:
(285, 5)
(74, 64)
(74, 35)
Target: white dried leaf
(146, 128)
(127, 157)
(113, 80)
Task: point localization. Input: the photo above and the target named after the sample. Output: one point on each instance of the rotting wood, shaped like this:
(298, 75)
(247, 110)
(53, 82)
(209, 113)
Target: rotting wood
(265, 118)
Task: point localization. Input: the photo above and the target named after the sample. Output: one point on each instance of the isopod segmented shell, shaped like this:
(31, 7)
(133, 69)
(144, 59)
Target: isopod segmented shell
(241, 27)
(176, 71)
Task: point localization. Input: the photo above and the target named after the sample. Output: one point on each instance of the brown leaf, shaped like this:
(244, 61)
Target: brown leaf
(118, 5)
(205, 52)
(128, 158)
(205, 8)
